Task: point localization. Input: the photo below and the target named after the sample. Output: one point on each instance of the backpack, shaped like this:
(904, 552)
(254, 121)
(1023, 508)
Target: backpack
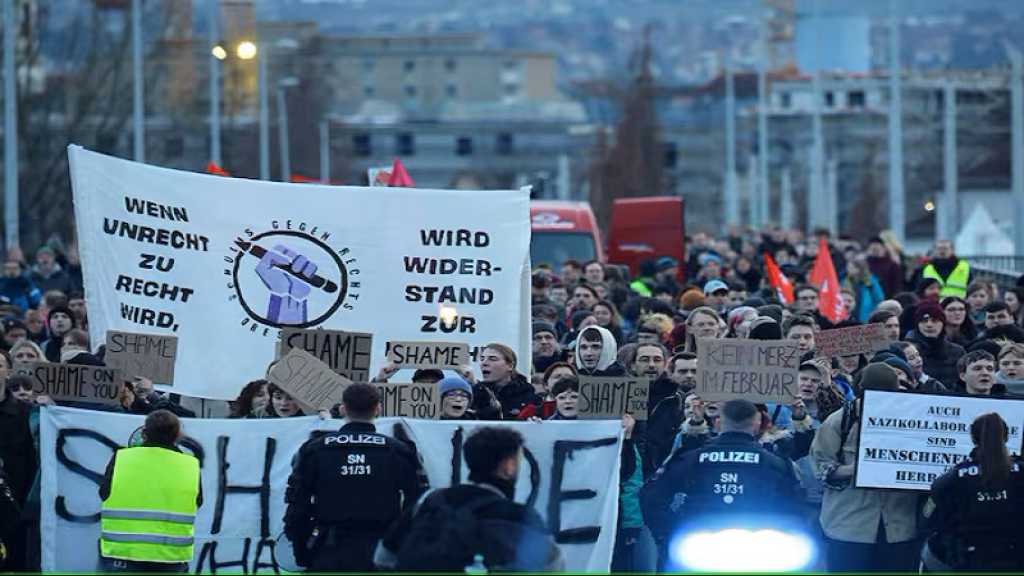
(445, 538)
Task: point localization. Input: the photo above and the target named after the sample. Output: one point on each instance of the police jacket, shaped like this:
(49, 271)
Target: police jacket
(975, 524)
(354, 481)
(729, 475)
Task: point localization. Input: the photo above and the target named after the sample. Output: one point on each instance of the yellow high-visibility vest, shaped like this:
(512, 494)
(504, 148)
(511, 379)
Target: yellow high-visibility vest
(151, 510)
(955, 284)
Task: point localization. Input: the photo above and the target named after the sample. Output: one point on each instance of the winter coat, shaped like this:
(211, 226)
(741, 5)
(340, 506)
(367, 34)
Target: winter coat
(940, 357)
(889, 274)
(514, 395)
(869, 295)
(21, 292)
(56, 280)
(17, 448)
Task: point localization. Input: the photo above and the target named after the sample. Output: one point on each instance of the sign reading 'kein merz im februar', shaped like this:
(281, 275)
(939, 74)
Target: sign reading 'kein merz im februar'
(760, 371)
(849, 341)
(908, 440)
(74, 383)
(613, 396)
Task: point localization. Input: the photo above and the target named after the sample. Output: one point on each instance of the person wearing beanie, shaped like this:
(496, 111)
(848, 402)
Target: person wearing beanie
(60, 321)
(667, 270)
(856, 539)
(546, 350)
(765, 328)
(905, 374)
(939, 356)
(773, 311)
(456, 397)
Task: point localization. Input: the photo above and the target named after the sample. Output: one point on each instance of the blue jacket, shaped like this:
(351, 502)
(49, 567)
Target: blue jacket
(869, 296)
(20, 291)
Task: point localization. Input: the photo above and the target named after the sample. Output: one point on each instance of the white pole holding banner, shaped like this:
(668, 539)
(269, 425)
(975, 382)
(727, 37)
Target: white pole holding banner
(138, 85)
(732, 203)
(1017, 148)
(263, 55)
(897, 197)
(11, 237)
(213, 16)
(949, 213)
(325, 152)
(816, 175)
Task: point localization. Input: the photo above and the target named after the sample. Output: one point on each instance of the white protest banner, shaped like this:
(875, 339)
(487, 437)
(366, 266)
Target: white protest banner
(851, 340)
(147, 355)
(570, 475)
(227, 263)
(440, 355)
(908, 440)
(761, 371)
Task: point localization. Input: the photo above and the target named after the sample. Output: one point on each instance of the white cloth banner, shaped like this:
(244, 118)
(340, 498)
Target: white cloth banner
(225, 263)
(908, 440)
(245, 468)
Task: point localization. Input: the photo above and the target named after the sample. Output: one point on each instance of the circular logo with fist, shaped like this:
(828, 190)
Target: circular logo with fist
(290, 278)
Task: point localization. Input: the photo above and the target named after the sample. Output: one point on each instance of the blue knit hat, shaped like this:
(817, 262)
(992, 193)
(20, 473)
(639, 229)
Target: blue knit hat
(453, 383)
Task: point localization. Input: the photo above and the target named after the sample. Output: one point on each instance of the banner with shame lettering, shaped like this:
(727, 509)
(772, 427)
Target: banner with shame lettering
(226, 264)
(570, 475)
(908, 440)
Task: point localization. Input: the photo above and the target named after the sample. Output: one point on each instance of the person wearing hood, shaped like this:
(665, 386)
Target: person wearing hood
(952, 273)
(865, 529)
(939, 356)
(1011, 368)
(456, 398)
(61, 321)
(546, 350)
(922, 382)
(596, 353)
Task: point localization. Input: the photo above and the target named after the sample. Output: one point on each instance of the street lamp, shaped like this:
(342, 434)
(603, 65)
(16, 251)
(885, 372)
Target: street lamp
(219, 52)
(282, 125)
(246, 50)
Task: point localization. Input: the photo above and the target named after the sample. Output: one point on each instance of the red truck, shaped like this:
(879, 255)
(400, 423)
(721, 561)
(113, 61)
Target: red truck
(563, 230)
(647, 228)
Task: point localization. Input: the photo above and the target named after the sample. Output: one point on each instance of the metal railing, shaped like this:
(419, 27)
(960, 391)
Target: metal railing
(1003, 270)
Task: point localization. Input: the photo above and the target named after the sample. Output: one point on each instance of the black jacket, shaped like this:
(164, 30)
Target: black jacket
(513, 396)
(354, 481)
(940, 357)
(614, 369)
(730, 475)
(108, 475)
(17, 449)
(664, 415)
(974, 525)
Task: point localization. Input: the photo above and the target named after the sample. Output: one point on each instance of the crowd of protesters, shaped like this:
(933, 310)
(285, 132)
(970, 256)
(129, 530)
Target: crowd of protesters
(950, 333)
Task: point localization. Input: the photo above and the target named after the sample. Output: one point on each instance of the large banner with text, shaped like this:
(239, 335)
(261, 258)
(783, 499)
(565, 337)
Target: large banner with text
(908, 440)
(570, 475)
(227, 264)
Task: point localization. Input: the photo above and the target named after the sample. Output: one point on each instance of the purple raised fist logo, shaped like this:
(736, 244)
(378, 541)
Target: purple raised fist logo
(283, 271)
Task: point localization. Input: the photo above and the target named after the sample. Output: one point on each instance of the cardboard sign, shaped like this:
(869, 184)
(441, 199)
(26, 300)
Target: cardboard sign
(347, 353)
(147, 355)
(409, 400)
(849, 341)
(74, 383)
(613, 397)
(907, 440)
(311, 382)
(441, 355)
(761, 371)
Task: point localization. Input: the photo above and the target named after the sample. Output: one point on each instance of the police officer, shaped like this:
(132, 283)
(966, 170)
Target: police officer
(974, 511)
(347, 488)
(150, 494)
(730, 478)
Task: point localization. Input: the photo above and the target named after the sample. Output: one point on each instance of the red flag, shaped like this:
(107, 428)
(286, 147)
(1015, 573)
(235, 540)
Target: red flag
(823, 275)
(213, 168)
(299, 178)
(399, 177)
(778, 280)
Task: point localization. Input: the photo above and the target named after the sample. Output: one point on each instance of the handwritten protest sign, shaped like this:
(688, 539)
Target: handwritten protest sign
(428, 354)
(908, 440)
(849, 341)
(147, 355)
(760, 371)
(74, 383)
(613, 397)
(347, 353)
(311, 382)
(409, 400)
